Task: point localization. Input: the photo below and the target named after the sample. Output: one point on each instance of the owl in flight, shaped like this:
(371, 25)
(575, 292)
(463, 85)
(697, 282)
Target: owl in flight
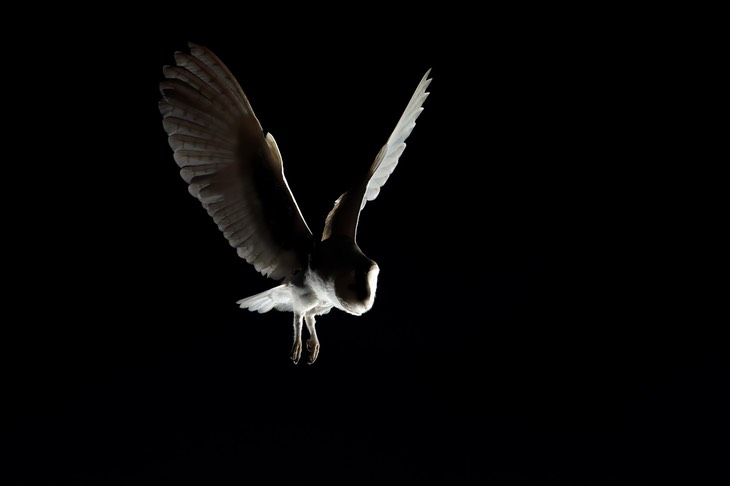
(236, 172)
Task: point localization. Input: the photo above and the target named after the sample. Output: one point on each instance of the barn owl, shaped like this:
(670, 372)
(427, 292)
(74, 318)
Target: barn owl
(236, 172)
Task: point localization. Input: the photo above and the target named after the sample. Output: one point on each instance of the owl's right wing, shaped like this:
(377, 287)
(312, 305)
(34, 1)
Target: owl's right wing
(230, 166)
(343, 218)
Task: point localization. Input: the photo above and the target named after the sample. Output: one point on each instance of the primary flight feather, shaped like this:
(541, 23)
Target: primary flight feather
(236, 171)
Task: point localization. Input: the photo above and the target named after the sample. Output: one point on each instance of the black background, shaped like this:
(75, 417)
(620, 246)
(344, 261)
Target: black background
(533, 325)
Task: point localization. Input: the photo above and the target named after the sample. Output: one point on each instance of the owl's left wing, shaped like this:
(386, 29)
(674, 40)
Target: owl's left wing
(230, 165)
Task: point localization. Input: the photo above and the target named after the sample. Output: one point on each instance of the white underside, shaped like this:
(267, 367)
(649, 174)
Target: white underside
(316, 297)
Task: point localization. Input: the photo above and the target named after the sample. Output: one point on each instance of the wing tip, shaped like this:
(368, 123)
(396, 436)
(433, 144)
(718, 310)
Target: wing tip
(194, 46)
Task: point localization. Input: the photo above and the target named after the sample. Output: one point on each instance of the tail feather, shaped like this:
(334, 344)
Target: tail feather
(278, 298)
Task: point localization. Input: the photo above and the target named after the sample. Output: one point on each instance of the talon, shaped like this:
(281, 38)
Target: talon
(313, 348)
(296, 351)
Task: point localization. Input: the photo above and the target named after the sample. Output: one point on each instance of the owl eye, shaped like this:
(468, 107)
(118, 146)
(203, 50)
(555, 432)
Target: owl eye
(351, 286)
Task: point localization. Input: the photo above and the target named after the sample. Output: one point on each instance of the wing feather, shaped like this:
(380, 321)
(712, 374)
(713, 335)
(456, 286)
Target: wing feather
(230, 165)
(387, 159)
(343, 217)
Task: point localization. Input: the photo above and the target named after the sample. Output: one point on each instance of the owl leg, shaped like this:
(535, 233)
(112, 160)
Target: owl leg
(296, 349)
(312, 342)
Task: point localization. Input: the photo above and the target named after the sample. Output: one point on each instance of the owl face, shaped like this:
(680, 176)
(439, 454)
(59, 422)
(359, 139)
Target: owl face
(356, 288)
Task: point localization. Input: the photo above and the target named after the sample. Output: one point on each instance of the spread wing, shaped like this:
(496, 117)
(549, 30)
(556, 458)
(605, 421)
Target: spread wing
(230, 166)
(343, 218)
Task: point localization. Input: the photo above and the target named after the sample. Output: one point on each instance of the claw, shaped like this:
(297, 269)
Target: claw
(313, 348)
(296, 351)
